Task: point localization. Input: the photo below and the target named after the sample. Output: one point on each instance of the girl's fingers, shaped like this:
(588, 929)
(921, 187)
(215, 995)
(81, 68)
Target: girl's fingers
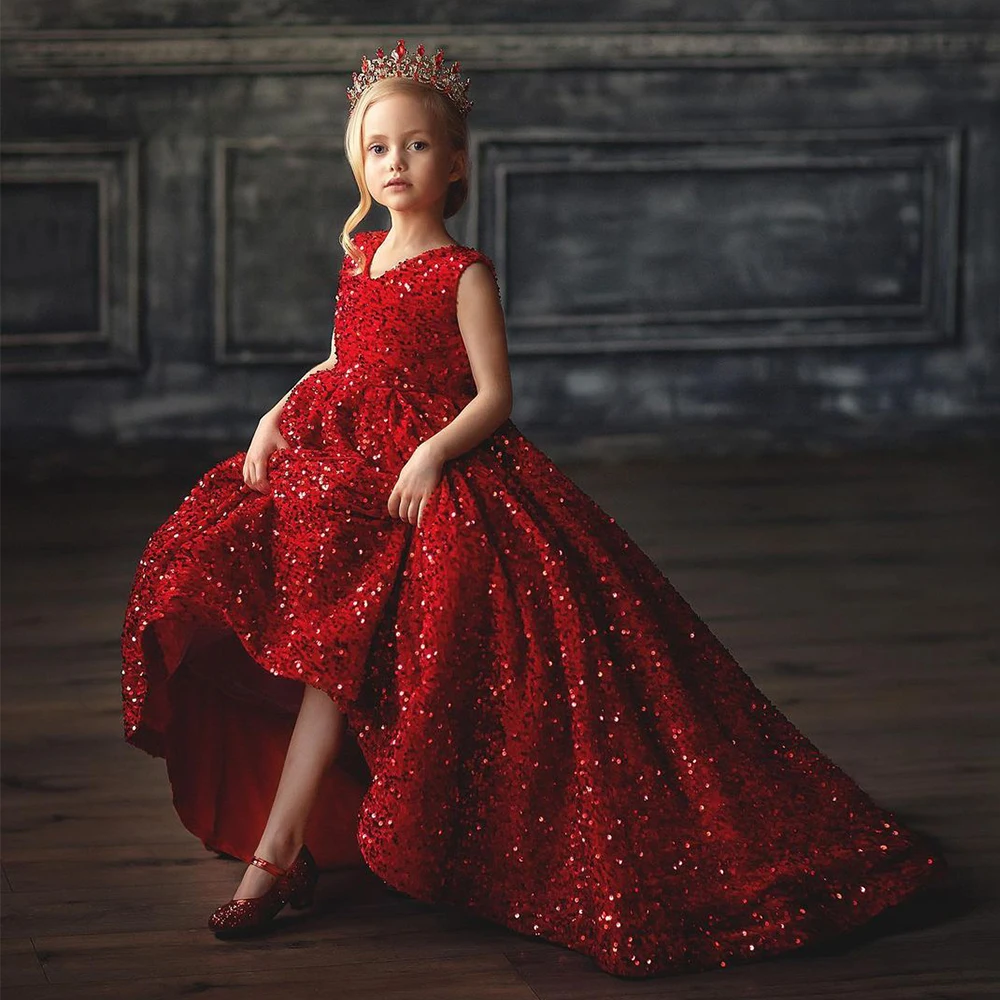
(408, 508)
(254, 478)
(405, 505)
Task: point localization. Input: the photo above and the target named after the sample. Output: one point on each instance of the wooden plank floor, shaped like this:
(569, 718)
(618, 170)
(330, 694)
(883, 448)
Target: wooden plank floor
(861, 593)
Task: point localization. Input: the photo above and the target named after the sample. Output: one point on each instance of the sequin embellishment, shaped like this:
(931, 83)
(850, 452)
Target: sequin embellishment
(554, 739)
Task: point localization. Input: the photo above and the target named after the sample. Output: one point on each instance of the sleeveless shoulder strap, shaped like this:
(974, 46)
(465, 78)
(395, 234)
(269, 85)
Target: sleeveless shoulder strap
(362, 242)
(470, 255)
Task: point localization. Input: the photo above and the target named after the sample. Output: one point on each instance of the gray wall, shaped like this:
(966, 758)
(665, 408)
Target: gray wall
(705, 216)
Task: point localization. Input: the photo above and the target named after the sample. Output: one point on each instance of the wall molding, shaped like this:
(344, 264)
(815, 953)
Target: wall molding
(933, 154)
(335, 49)
(112, 168)
(226, 351)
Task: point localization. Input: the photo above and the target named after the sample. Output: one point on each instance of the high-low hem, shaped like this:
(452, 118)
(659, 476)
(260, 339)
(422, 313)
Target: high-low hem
(224, 754)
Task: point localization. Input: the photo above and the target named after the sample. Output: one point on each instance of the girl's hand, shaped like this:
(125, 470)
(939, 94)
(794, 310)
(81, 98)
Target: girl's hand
(417, 480)
(266, 440)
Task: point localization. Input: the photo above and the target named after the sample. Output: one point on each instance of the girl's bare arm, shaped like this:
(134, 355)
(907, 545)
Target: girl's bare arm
(481, 321)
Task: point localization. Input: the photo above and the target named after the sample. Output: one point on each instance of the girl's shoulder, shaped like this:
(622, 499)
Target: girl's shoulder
(364, 238)
(461, 253)
(466, 255)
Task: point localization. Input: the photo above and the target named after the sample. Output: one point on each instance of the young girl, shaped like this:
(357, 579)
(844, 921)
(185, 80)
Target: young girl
(394, 632)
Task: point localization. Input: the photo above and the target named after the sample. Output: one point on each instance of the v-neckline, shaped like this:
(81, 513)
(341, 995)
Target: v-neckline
(380, 238)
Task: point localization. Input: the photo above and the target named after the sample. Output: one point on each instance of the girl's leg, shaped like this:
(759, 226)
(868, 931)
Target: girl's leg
(315, 742)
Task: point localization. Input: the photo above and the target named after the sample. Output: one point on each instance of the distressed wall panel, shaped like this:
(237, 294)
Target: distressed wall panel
(719, 242)
(786, 224)
(52, 239)
(266, 192)
(69, 274)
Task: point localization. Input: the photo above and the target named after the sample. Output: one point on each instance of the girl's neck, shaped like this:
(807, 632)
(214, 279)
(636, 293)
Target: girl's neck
(405, 234)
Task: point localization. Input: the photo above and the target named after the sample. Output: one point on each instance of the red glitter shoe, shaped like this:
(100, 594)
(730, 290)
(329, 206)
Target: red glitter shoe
(294, 885)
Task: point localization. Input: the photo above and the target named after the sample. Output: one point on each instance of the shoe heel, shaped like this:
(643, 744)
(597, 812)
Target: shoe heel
(303, 878)
(302, 898)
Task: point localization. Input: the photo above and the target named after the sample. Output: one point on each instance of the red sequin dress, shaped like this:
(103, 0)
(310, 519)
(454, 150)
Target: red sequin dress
(540, 728)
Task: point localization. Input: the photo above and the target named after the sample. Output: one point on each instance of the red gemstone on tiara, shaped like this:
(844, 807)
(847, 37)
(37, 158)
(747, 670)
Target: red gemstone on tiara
(414, 66)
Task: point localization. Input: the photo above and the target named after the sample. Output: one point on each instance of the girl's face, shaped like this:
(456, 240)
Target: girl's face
(402, 140)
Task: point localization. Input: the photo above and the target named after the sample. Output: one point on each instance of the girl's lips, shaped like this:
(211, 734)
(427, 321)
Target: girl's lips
(398, 184)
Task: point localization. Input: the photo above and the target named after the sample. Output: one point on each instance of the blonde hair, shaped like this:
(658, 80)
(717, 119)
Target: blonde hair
(453, 123)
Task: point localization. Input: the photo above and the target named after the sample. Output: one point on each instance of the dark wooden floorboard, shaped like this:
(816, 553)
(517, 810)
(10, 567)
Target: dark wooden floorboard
(860, 593)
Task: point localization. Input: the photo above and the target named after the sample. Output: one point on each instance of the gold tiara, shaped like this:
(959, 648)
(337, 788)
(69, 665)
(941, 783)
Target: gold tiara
(416, 67)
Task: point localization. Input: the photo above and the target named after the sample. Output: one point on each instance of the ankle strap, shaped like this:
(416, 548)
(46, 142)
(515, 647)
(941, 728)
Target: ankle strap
(268, 866)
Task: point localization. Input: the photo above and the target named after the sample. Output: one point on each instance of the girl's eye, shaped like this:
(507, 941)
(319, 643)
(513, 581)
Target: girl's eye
(377, 146)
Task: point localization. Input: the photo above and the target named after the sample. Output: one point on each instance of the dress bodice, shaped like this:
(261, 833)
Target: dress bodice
(402, 325)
